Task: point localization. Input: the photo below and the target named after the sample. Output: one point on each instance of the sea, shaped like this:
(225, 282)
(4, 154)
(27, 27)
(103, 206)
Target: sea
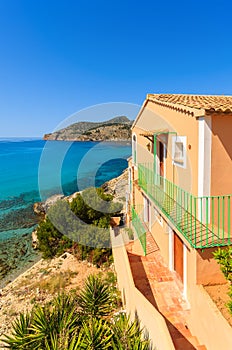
(31, 170)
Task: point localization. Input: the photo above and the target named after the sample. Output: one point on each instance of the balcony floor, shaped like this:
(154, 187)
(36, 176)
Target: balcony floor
(199, 235)
(163, 289)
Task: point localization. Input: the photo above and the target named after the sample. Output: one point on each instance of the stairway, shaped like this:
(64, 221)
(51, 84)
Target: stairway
(163, 289)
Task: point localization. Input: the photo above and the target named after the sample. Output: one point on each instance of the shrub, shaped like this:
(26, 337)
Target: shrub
(87, 224)
(224, 258)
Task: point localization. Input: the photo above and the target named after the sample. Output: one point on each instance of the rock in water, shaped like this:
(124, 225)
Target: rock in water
(52, 200)
(35, 241)
(38, 208)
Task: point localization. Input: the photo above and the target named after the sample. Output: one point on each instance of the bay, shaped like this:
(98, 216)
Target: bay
(32, 170)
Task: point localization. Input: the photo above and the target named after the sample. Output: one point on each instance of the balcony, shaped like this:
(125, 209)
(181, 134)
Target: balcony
(203, 221)
(140, 228)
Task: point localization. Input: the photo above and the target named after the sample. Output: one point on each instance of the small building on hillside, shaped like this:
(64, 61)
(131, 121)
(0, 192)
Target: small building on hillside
(180, 202)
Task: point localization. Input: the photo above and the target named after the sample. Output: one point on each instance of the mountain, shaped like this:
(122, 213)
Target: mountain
(116, 129)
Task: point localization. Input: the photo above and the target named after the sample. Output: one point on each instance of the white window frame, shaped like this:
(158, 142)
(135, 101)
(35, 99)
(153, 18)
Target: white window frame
(158, 217)
(134, 149)
(146, 210)
(182, 161)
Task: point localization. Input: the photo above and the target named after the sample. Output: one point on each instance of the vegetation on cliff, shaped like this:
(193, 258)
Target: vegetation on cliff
(224, 258)
(81, 226)
(118, 128)
(86, 320)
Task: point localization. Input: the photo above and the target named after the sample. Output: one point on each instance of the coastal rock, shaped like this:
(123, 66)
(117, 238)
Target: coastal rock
(72, 196)
(47, 136)
(117, 186)
(19, 253)
(38, 208)
(52, 200)
(35, 241)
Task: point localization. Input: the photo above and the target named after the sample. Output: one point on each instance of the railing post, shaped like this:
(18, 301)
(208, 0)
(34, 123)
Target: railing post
(207, 220)
(218, 218)
(201, 215)
(223, 219)
(204, 221)
(212, 215)
(195, 221)
(229, 214)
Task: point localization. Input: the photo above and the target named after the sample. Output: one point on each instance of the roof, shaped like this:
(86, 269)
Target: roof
(153, 132)
(209, 103)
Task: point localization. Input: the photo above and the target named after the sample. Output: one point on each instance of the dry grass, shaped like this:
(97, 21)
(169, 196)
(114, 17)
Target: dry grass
(56, 283)
(42, 282)
(219, 295)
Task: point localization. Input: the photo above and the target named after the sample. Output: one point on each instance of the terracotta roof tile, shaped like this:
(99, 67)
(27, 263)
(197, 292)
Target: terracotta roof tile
(210, 103)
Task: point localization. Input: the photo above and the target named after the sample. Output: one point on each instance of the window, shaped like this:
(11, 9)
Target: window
(158, 217)
(179, 151)
(134, 149)
(146, 210)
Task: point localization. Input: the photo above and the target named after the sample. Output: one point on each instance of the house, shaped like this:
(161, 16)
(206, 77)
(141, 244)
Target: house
(179, 204)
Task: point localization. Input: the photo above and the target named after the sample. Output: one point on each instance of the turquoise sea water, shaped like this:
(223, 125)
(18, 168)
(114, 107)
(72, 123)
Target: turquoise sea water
(32, 170)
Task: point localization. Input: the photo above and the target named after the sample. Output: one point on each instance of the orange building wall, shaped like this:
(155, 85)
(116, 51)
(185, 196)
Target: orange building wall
(208, 270)
(221, 166)
(160, 234)
(155, 117)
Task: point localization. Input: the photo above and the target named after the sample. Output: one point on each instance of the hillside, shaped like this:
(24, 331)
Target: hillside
(116, 129)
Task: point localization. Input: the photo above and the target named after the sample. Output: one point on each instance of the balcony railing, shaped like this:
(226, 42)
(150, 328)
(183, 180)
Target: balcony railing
(203, 221)
(140, 228)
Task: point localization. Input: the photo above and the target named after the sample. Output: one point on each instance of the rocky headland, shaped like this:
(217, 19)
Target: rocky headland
(116, 129)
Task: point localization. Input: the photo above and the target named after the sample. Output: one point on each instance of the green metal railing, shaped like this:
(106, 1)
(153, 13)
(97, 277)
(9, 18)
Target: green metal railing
(203, 221)
(139, 228)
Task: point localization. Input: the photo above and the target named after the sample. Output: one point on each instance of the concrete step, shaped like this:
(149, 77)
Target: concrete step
(182, 331)
(184, 344)
(151, 244)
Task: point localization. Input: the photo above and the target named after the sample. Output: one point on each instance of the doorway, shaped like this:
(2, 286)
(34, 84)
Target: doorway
(161, 158)
(160, 163)
(179, 256)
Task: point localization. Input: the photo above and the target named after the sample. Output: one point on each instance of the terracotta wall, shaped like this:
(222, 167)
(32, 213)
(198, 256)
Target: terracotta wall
(155, 117)
(207, 322)
(160, 233)
(208, 270)
(134, 301)
(143, 155)
(138, 198)
(221, 169)
(204, 319)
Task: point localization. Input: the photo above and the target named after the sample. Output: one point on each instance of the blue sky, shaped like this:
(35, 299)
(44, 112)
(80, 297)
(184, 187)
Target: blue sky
(59, 56)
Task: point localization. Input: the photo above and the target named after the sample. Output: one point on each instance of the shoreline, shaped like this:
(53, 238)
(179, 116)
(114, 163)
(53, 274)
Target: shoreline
(17, 254)
(123, 141)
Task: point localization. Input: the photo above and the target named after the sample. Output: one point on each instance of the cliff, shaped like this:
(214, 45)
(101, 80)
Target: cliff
(116, 129)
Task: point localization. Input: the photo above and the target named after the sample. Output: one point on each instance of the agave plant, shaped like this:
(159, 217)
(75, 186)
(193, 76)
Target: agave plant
(89, 325)
(127, 334)
(95, 335)
(20, 330)
(51, 326)
(96, 299)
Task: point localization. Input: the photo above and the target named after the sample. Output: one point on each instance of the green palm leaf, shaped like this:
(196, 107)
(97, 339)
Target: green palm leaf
(96, 298)
(20, 331)
(96, 335)
(127, 334)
